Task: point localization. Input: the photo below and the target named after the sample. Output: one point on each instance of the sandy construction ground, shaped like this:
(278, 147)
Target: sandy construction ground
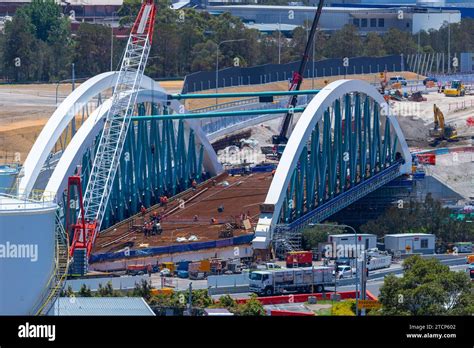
(24, 109)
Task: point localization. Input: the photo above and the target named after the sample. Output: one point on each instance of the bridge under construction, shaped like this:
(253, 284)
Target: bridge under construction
(139, 158)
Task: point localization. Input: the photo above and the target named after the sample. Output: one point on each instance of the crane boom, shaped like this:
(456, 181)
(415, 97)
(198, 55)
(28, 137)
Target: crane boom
(297, 80)
(115, 129)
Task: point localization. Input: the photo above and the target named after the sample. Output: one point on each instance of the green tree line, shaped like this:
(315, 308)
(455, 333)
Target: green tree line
(422, 217)
(38, 44)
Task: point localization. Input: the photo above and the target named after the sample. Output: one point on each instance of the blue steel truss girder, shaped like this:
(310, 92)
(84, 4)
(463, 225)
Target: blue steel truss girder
(345, 199)
(341, 164)
(159, 157)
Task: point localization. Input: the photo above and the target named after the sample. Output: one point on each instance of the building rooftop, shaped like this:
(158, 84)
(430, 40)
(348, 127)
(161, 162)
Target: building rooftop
(326, 9)
(352, 235)
(101, 306)
(409, 235)
(271, 26)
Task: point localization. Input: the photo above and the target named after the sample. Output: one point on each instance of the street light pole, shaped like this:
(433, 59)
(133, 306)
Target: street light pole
(217, 61)
(356, 259)
(449, 44)
(112, 42)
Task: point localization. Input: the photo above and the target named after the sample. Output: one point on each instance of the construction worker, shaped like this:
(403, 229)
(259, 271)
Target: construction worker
(155, 216)
(195, 218)
(194, 184)
(273, 172)
(213, 221)
(143, 210)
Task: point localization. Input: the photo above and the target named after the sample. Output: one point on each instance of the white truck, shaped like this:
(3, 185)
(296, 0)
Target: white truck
(278, 281)
(378, 259)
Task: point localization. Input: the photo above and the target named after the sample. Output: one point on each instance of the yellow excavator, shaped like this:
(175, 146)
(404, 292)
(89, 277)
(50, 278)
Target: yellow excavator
(442, 131)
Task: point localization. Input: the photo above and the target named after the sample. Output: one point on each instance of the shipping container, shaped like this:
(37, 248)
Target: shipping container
(205, 266)
(183, 265)
(299, 259)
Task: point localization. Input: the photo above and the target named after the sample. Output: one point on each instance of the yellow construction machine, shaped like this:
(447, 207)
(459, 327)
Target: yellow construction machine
(456, 89)
(442, 131)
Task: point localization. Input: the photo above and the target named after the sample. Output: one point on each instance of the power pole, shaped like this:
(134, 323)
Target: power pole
(190, 299)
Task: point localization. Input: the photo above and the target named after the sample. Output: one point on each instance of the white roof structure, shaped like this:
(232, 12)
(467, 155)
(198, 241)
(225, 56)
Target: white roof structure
(397, 235)
(109, 306)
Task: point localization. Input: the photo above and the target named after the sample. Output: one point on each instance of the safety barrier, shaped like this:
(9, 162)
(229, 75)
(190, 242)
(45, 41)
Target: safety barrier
(256, 75)
(298, 298)
(279, 313)
(171, 249)
(256, 169)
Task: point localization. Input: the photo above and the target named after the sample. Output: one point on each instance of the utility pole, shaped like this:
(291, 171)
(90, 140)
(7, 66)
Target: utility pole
(73, 77)
(279, 38)
(449, 44)
(190, 299)
(363, 283)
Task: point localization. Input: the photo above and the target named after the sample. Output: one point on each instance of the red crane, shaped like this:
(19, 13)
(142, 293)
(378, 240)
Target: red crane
(93, 204)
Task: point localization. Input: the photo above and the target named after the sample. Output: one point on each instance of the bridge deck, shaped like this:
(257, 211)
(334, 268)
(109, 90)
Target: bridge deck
(242, 196)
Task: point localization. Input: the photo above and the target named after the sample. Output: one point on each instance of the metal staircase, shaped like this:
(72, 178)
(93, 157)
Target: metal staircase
(57, 280)
(286, 241)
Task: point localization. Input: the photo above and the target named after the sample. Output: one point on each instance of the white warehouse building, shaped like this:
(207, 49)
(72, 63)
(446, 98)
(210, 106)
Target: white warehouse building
(410, 243)
(379, 20)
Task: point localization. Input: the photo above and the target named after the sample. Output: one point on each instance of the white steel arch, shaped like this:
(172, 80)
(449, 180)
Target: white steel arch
(298, 139)
(73, 103)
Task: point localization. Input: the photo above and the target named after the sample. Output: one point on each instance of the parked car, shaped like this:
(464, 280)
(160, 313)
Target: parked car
(430, 79)
(343, 271)
(398, 79)
(165, 272)
(470, 271)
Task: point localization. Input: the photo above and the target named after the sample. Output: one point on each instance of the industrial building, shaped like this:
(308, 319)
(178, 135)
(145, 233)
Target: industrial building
(367, 241)
(90, 10)
(410, 243)
(378, 20)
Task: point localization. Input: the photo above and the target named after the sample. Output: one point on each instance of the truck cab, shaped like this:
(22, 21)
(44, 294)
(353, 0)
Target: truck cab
(261, 282)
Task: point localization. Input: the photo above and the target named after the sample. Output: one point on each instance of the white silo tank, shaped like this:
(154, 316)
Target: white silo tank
(431, 3)
(8, 174)
(27, 252)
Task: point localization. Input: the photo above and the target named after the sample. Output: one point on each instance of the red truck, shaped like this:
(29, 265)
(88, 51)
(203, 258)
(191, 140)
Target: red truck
(299, 259)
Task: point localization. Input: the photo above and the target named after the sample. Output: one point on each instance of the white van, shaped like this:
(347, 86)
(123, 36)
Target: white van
(398, 79)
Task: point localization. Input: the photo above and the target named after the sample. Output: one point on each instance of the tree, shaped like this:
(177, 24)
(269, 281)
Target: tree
(227, 302)
(313, 235)
(374, 45)
(344, 43)
(142, 289)
(421, 217)
(397, 42)
(128, 11)
(204, 56)
(19, 51)
(85, 291)
(427, 288)
(68, 292)
(107, 291)
(45, 16)
(92, 49)
(252, 307)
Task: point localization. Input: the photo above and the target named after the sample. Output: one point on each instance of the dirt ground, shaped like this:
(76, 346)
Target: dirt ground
(236, 194)
(25, 109)
(283, 86)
